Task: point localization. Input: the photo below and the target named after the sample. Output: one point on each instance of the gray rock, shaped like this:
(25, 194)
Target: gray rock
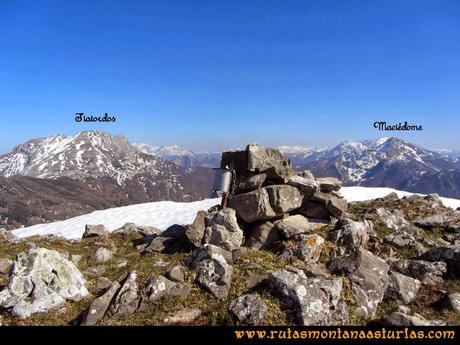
(180, 290)
(131, 228)
(294, 225)
(329, 184)
(255, 281)
(320, 197)
(195, 231)
(306, 185)
(95, 231)
(437, 220)
(239, 254)
(369, 279)
(393, 220)
(161, 244)
(337, 206)
(127, 299)
(184, 316)
(268, 160)
(175, 274)
(284, 198)
(452, 302)
(311, 209)
(401, 239)
(99, 306)
(263, 236)
(5, 265)
(434, 197)
(249, 309)
(314, 300)
(402, 288)
(222, 230)
(102, 284)
(308, 249)
(40, 280)
(398, 318)
(449, 254)
(430, 273)
(350, 235)
(213, 271)
(252, 206)
(102, 255)
(307, 174)
(249, 182)
(158, 287)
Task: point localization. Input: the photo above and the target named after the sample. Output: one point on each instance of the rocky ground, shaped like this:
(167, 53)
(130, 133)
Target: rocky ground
(287, 250)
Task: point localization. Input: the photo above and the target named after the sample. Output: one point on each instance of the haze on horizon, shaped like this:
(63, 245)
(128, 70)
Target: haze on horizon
(216, 75)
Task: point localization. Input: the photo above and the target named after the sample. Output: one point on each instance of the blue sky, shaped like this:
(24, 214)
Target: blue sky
(219, 74)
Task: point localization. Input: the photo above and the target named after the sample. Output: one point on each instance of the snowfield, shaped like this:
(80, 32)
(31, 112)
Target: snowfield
(163, 214)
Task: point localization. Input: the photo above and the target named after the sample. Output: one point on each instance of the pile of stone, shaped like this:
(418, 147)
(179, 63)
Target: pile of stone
(272, 200)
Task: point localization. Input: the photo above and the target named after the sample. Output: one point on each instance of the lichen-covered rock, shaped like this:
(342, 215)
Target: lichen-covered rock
(393, 220)
(430, 273)
(402, 288)
(222, 230)
(213, 271)
(127, 299)
(40, 280)
(307, 248)
(350, 235)
(306, 185)
(449, 254)
(249, 309)
(263, 235)
(369, 278)
(99, 306)
(102, 255)
(157, 287)
(295, 225)
(315, 300)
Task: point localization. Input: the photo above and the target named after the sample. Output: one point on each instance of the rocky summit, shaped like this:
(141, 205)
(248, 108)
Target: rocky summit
(285, 248)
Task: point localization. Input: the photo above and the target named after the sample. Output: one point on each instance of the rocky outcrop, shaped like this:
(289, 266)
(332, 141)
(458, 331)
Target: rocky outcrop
(40, 280)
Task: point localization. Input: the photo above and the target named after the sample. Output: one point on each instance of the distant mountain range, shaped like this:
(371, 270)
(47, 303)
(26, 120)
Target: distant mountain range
(60, 176)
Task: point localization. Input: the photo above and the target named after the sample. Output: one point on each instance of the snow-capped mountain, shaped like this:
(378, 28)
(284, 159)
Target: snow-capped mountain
(165, 213)
(181, 156)
(386, 162)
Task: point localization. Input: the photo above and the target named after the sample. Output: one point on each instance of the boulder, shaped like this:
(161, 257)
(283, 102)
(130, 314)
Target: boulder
(127, 299)
(157, 287)
(369, 279)
(312, 209)
(306, 185)
(350, 235)
(263, 235)
(307, 174)
(249, 182)
(337, 206)
(268, 160)
(307, 248)
(95, 231)
(40, 280)
(450, 254)
(175, 274)
(294, 225)
(402, 288)
(329, 184)
(161, 244)
(248, 309)
(284, 198)
(393, 220)
(102, 255)
(320, 197)
(222, 230)
(430, 273)
(252, 206)
(213, 271)
(437, 220)
(314, 300)
(141, 230)
(195, 231)
(401, 239)
(99, 306)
